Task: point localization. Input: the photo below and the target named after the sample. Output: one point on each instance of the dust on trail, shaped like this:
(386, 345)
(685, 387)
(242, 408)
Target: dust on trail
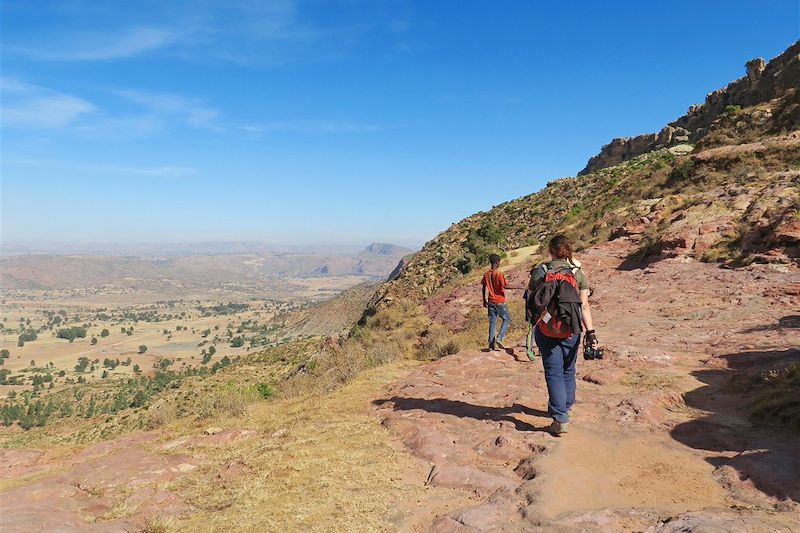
(656, 432)
(596, 470)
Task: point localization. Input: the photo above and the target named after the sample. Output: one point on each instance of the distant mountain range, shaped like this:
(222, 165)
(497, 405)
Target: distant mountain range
(147, 249)
(201, 262)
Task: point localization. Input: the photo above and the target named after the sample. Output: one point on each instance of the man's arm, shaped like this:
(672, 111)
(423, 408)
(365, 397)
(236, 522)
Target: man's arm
(483, 291)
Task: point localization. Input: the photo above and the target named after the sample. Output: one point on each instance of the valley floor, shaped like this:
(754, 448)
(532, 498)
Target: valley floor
(661, 437)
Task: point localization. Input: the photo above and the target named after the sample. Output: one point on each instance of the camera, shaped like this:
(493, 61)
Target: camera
(592, 353)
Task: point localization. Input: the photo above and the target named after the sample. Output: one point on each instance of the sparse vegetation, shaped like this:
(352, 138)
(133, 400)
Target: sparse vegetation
(682, 172)
(778, 397)
(733, 110)
(72, 333)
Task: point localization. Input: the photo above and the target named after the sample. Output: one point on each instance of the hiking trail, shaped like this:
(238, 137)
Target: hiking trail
(660, 438)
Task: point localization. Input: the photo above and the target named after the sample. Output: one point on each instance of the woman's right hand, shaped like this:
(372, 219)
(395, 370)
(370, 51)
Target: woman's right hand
(591, 338)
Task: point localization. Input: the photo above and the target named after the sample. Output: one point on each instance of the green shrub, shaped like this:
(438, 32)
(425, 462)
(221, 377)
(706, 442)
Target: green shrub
(71, 333)
(732, 110)
(682, 172)
(264, 390)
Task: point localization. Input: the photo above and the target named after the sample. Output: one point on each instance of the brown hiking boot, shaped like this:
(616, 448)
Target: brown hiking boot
(557, 428)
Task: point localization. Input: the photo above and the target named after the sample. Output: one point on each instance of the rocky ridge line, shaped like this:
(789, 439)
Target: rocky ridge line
(764, 82)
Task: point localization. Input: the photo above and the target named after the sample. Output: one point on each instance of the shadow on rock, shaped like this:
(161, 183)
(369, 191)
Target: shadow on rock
(786, 322)
(766, 456)
(466, 410)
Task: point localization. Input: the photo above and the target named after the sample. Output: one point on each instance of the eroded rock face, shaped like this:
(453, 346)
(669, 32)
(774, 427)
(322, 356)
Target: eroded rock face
(625, 148)
(778, 81)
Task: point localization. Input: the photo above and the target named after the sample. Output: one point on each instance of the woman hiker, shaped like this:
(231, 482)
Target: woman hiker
(559, 292)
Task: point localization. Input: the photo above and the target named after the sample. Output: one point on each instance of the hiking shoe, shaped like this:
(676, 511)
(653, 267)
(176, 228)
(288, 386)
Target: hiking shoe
(499, 345)
(557, 428)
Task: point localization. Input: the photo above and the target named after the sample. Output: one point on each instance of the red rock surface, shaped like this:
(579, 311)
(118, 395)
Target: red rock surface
(658, 429)
(109, 486)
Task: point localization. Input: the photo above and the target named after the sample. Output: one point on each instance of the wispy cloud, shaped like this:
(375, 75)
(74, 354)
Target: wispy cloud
(32, 106)
(127, 42)
(165, 171)
(262, 33)
(157, 172)
(133, 113)
(315, 126)
(194, 111)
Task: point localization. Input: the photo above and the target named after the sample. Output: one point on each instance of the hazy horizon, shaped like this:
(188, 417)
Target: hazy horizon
(199, 247)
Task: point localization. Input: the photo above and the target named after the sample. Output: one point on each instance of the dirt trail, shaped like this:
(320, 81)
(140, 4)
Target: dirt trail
(599, 470)
(659, 437)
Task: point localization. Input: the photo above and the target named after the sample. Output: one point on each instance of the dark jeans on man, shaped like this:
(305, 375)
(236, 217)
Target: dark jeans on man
(497, 310)
(559, 357)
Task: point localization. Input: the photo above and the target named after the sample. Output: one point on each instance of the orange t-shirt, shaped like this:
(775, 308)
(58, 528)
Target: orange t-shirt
(495, 283)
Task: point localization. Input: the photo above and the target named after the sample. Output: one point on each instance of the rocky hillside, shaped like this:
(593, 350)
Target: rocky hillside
(733, 197)
(768, 93)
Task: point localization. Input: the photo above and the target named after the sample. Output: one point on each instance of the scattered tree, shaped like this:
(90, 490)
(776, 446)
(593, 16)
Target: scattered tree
(83, 364)
(72, 333)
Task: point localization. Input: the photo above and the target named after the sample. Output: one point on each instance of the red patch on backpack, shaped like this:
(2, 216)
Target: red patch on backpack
(555, 327)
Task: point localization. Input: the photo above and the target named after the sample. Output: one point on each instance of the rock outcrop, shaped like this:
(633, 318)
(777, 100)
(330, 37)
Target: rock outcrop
(776, 83)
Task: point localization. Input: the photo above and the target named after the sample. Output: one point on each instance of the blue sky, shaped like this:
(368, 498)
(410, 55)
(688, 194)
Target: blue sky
(336, 122)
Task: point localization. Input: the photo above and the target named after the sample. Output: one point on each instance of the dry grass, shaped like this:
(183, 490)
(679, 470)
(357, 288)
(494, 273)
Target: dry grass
(160, 414)
(388, 336)
(155, 524)
(229, 400)
(475, 336)
(778, 397)
(322, 463)
(648, 380)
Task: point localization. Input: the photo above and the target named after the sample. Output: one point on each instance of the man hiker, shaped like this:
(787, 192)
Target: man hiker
(559, 304)
(494, 285)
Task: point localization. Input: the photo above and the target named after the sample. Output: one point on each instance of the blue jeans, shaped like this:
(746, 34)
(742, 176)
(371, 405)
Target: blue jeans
(496, 310)
(559, 357)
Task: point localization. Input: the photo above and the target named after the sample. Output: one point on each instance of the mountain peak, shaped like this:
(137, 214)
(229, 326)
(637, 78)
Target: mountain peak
(382, 248)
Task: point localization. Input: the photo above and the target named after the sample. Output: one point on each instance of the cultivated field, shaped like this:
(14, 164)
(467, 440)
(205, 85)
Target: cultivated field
(52, 338)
